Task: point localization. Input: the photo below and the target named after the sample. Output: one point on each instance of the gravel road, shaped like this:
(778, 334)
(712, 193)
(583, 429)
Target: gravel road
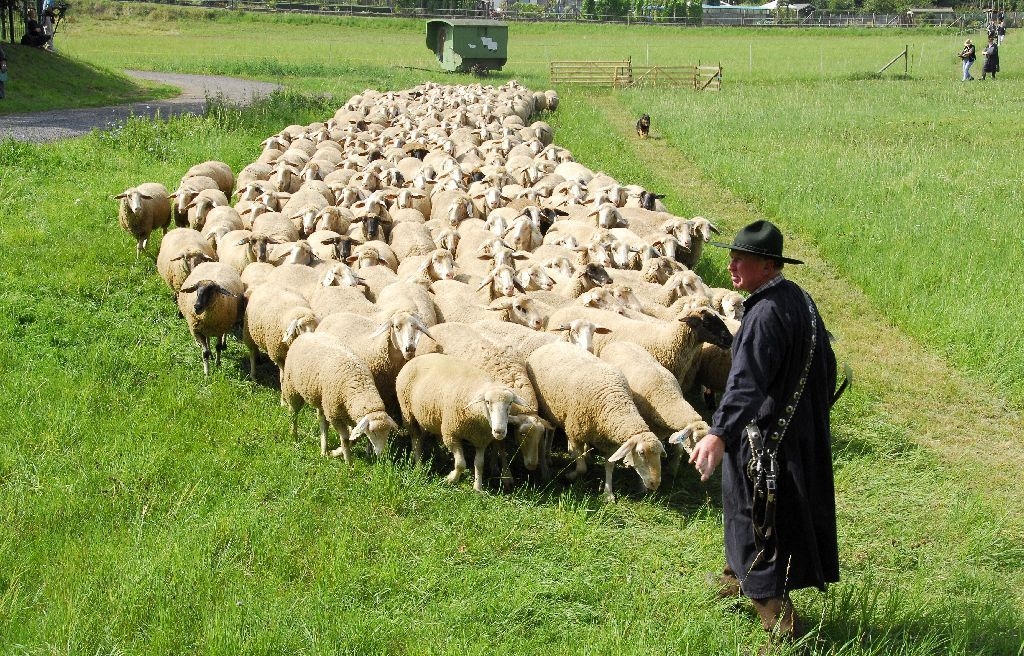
(41, 127)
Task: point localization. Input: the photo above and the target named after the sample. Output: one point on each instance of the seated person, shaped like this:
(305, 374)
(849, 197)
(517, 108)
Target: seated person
(34, 34)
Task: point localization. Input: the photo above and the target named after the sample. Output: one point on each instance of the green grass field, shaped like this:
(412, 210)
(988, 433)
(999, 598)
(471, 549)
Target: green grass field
(146, 509)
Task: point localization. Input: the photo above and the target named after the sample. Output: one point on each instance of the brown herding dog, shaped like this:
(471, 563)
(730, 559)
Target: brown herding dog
(643, 126)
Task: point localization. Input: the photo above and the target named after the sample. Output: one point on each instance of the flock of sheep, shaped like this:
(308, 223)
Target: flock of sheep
(429, 259)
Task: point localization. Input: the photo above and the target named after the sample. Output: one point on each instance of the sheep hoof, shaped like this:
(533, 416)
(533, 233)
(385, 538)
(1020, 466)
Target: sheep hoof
(453, 477)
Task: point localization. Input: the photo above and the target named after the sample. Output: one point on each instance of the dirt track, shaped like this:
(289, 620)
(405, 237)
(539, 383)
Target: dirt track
(41, 127)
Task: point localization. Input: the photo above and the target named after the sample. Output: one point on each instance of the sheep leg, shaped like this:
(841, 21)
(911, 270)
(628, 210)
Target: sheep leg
(323, 432)
(416, 440)
(545, 455)
(576, 453)
(478, 468)
(460, 463)
(506, 471)
(204, 344)
(609, 495)
(252, 363)
(222, 345)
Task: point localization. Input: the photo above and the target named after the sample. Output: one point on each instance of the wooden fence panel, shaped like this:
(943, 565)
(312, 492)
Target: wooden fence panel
(615, 74)
(619, 74)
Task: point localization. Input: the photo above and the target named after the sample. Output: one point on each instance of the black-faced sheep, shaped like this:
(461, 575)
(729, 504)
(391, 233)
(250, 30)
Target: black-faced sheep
(211, 300)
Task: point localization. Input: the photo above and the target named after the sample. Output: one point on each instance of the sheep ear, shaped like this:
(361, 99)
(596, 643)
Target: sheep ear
(225, 292)
(360, 429)
(601, 330)
(291, 332)
(624, 452)
(518, 400)
(486, 282)
(680, 437)
(120, 196)
(247, 240)
(561, 328)
(190, 289)
(381, 329)
(478, 399)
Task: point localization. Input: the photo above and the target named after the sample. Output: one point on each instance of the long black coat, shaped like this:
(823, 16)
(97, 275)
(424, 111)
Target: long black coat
(991, 53)
(769, 353)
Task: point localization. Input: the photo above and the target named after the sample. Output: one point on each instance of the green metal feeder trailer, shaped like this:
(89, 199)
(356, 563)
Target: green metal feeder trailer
(467, 45)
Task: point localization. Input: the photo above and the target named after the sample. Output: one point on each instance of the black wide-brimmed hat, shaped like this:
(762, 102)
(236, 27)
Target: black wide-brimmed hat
(760, 238)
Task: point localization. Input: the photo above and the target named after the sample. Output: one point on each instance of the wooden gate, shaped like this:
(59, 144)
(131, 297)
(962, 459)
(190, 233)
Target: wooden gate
(619, 75)
(616, 74)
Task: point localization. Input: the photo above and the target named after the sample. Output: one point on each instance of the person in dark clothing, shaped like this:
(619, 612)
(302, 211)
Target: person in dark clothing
(991, 53)
(782, 383)
(34, 35)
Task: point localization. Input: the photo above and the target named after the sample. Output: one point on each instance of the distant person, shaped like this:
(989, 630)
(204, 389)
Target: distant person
(3, 72)
(1001, 32)
(49, 25)
(968, 55)
(34, 34)
(990, 30)
(991, 53)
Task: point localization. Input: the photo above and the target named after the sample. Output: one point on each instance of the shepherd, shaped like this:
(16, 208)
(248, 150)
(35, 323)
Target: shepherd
(772, 427)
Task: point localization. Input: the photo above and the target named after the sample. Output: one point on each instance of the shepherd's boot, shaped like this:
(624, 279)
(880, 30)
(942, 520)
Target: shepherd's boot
(779, 617)
(725, 584)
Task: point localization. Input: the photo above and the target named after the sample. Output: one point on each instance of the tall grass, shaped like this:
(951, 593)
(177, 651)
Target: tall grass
(148, 509)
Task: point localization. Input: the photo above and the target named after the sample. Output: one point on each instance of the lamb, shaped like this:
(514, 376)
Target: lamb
(274, 317)
(142, 210)
(295, 252)
(592, 402)
(210, 301)
(322, 373)
(181, 250)
(469, 407)
(219, 222)
(371, 253)
(658, 397)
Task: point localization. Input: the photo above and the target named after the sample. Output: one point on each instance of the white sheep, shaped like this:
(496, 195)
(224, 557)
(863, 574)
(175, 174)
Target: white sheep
(384, 345)
(469, 407)
(142, 210)
(658, 397)
(324, 374)
(592, 402)
(181, 250)
(274, 317)
(211, 300)
(218, 171)
(675, 344)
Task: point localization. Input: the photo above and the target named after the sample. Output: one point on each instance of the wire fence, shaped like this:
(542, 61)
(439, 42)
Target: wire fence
(13, 25)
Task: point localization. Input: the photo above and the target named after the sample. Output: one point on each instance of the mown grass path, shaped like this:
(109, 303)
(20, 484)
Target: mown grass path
(971, 427)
